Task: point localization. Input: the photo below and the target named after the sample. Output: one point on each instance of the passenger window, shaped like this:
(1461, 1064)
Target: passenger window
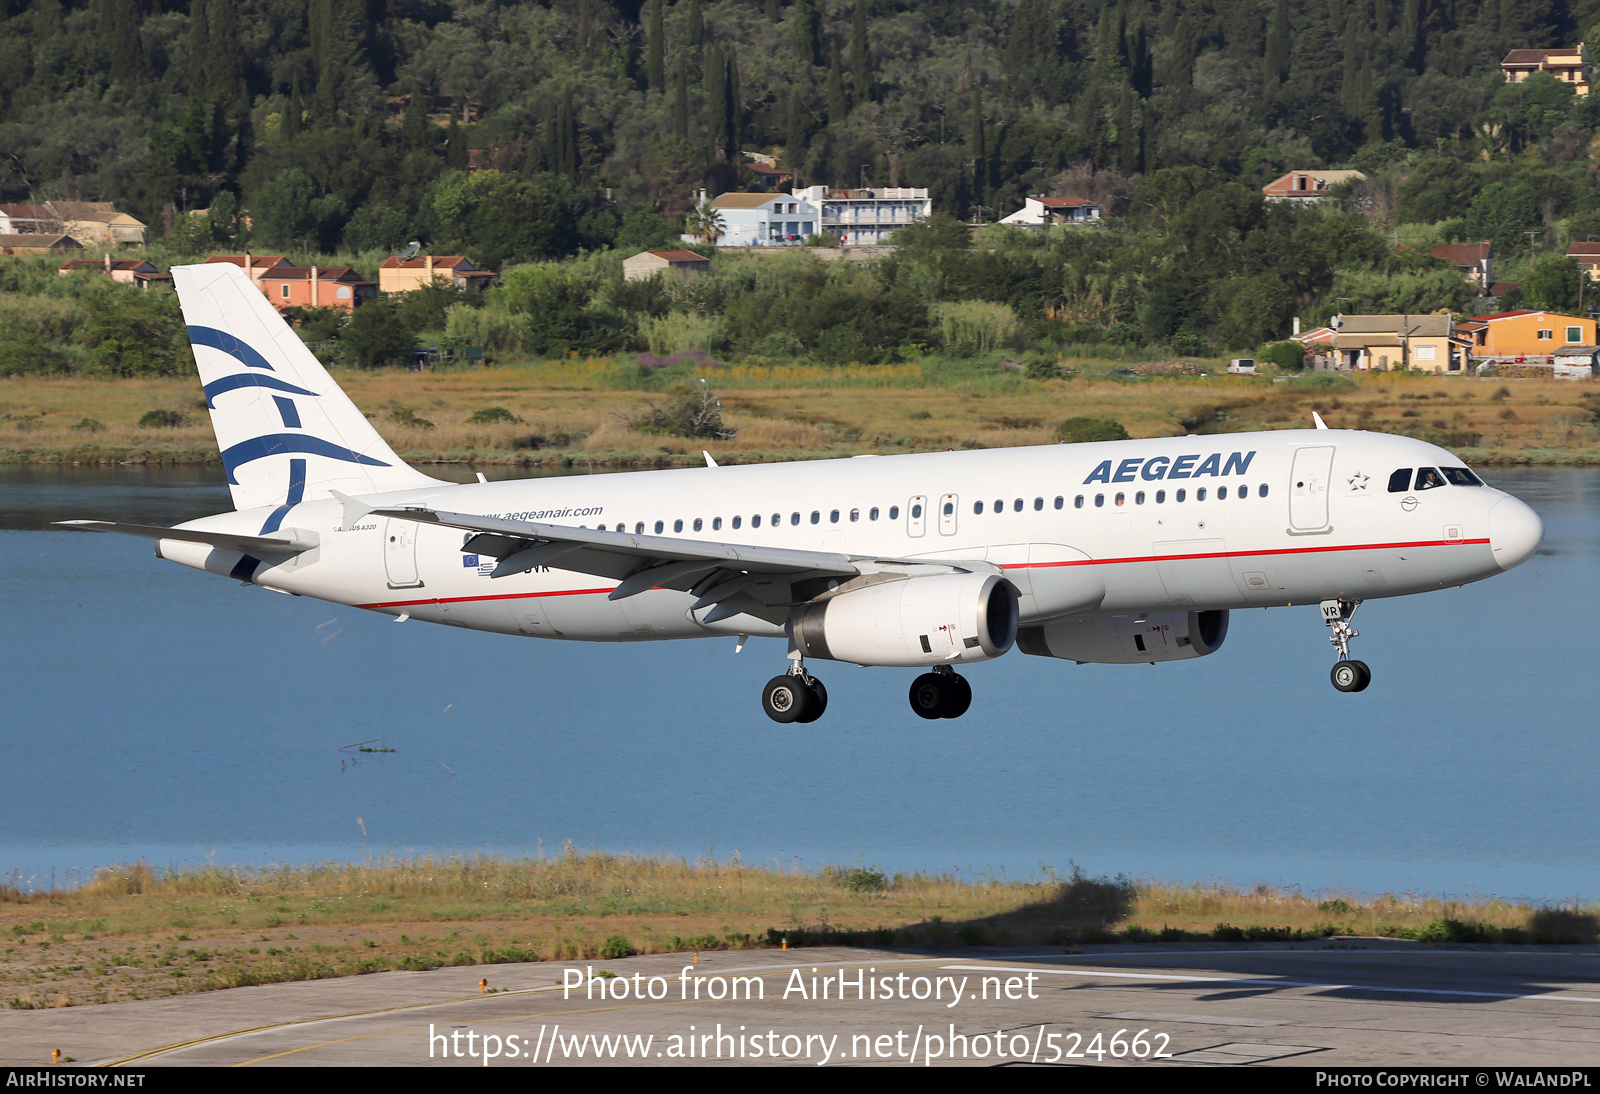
(1428, 478)
(999, 506)
(872, 514)
(716, 524)
(755, 521)
(1400, 481)
(1060, 501)
(1200, 494)
(638, 529)
(794, 518)
(1077, 502)
(1099, 501)
(1121, 498)
(1261, 491)
(659, 527)
(1244, 491)
(1161, 496)
(1182, 495)
(1017, 505)
(1460, 476)
(816, 517)
(736, 522)
(1138, 499)
(1038, 504)
(833, 517)
(696, 524)
(1222, 493)
(977, 507)
(777, 519)
(894, 512)
(855, 515)
(916, 512)
(677, 526)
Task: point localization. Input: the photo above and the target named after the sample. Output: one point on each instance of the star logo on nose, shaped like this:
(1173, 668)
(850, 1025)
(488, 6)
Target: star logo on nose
(1357, 482)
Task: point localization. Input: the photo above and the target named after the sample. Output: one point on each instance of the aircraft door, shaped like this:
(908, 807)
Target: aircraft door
(400, 553)
(1308, 488)
(917, 516)
(948, 504)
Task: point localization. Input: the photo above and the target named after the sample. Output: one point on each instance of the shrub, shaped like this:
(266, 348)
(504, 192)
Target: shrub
(689, 413)
(864, 880)
(1079, 430)
(1286, 355)
(407, 417)
(492, 415)
(617, 946)
(681, 332)
(1224, 932)
(977, 326)
(90, 425)
(162, 419)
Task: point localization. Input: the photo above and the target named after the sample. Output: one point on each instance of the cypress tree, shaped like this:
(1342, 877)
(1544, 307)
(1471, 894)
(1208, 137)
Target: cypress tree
(1381, 15)
(199, 48)
(807, 31)
(414, 129)
(976, 145)
(794, 144)
(1179, 68)
(654, 65)
(772, 11)
(1127, 137)
(714, 88)
(860, 55)
(838, 105)
(569, 138)
(1411, 34)
(122, 28)
(697, 24)
(735, 98)
(455, 146)
(1350, 72)
(1278, 44)
(1140, 65)
(680, 101)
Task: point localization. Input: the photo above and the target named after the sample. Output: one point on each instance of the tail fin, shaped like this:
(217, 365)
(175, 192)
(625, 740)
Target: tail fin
(287, 432)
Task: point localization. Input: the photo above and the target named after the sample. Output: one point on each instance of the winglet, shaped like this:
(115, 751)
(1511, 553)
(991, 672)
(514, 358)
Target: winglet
(354, 508)
(1317, 418)
(709, 461)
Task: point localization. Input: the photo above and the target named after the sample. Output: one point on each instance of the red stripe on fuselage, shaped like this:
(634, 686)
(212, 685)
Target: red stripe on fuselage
(1006, 566)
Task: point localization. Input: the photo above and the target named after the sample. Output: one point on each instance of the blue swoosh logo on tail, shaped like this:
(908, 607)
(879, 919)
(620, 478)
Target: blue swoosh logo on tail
(249, 379)
(227, 343)
(277, 444)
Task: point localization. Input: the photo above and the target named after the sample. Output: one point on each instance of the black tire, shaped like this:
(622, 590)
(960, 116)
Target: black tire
(819, 701)
(786, 699)
(958, 696)
(928, 693)
(1351, 675)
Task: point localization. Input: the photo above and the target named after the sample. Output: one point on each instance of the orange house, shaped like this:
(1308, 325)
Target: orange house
(316, 287)
(1527, 333)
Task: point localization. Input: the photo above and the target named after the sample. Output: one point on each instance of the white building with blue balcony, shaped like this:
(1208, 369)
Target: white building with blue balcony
(764, 220)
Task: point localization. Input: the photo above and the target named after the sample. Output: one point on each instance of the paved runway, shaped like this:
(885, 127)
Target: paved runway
(1358, 1002)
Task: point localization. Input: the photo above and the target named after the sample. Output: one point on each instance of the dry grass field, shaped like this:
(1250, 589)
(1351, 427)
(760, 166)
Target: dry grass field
(576, 412)
(136, 932)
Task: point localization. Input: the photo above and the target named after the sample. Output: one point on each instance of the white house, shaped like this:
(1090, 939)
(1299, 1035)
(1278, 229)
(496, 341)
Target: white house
(1039, 212)
(763, 220)
(867, 216)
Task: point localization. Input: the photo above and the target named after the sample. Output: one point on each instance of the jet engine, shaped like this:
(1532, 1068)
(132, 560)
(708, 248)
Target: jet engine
(937, 619)
(1127, 640)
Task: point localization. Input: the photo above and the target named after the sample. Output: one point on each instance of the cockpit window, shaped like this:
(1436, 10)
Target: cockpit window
(1460, 476)
(1400, 481)
(1428, 478)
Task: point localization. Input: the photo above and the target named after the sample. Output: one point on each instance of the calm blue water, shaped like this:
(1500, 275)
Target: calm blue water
(153, 712)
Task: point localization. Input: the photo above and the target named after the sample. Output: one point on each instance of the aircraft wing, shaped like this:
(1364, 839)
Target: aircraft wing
(288, 543)
(730, 578)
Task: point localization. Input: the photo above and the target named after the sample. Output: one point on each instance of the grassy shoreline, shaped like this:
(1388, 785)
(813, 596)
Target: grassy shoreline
(574, 414)
(136, 932)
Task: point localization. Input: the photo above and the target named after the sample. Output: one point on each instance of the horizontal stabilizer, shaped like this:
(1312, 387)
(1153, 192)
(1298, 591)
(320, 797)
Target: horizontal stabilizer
(289, 542)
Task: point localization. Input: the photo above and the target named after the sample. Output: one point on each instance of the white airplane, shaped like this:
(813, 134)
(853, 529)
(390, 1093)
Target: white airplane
(1122, 552)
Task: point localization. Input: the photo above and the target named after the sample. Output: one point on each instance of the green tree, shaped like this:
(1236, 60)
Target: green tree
(860, 54)
(132, 333)
(655, 44)
(1553, 285)
(1503, 213)
(376, 335)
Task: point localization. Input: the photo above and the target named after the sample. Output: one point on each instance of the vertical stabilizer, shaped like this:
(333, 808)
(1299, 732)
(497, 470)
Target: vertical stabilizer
(287, 432)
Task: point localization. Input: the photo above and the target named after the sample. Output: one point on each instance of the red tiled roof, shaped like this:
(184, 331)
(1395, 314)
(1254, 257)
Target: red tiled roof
(257, 262)
(1463, 254)
(343, 274)
(1068, 203)
(94, 264)
(680, 256)
(28, 212)
(1533, 56)
(440, 262)
(1502, 314)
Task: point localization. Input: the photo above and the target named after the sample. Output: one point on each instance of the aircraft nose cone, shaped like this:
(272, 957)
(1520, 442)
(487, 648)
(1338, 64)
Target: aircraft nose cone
(1515, 532)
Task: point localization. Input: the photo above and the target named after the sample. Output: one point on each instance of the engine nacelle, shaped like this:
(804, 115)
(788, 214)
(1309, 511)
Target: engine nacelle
(1120, 640)
(940, 619)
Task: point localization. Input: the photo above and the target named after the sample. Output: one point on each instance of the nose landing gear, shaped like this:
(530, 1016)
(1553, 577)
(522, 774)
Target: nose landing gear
(1347, 675)
(940, 694)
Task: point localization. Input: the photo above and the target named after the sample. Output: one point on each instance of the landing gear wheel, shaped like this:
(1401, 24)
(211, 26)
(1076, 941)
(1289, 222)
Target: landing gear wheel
(818, 702)
(1351, 675)
(928, 693)
(940, 695)
(959, 698)
(788, 699)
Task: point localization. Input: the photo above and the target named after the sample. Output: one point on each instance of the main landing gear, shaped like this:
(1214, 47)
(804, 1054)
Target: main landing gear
(940, 694)
(1347, 675)
(796, 696)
